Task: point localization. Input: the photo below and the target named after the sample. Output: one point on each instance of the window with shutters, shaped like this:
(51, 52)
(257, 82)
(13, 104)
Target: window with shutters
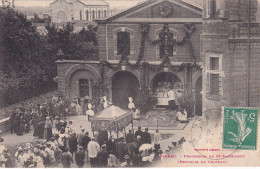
(214, 76)
(83, 87)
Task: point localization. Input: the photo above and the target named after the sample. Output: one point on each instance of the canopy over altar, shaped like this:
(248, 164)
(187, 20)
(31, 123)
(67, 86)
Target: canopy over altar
(110, 119)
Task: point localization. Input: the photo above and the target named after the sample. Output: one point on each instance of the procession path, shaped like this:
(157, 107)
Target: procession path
(81, 121)
(12, 141)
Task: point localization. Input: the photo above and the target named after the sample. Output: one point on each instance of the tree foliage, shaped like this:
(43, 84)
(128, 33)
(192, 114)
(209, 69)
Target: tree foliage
(81, 45)
(27, 59)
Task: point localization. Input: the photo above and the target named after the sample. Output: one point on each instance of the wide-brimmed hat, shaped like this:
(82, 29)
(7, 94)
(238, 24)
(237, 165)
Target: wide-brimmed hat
(26, 148)
(20, 149)
(28, 144)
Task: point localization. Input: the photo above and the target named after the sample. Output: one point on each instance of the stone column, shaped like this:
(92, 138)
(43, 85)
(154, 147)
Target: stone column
(188, 79)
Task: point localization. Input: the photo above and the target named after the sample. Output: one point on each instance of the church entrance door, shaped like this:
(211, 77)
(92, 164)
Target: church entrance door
(124, 85)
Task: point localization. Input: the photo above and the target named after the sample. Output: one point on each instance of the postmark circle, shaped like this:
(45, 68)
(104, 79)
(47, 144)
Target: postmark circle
(196, 134)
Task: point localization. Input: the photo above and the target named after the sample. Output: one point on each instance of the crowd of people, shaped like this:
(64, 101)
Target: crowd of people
(62, 145)
(65, 147)
(23, 117)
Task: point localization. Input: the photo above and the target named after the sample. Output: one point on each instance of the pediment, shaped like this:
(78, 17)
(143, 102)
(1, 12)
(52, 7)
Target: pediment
(166, 9)
(161, 9)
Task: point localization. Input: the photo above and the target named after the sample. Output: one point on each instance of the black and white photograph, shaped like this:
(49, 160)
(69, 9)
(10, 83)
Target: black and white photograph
(129, 83)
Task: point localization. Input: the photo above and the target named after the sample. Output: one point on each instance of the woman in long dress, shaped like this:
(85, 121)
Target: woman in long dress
(78, 109)
(73, 106)
(48, 129)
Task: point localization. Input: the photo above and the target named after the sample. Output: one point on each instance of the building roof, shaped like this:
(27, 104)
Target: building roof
(68, 1)
(87, 2)
(196, 5)
(94, 2)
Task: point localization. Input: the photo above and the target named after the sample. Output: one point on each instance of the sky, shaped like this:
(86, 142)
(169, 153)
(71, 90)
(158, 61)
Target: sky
(113, 3)
(45, 3)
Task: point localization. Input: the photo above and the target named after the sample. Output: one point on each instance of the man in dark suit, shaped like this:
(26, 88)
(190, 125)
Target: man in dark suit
(66, 159)
(139, 132)
(12, 121)
(85, 140)
(111, 146)
(73, 144)
(146, 137)
(102, 157)
(130, 137)
(79, 157)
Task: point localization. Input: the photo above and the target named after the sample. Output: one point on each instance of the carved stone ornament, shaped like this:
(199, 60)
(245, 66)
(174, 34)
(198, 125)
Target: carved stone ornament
(166, 10)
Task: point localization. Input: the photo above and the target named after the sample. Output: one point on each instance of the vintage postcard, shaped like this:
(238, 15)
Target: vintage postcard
(129, 83)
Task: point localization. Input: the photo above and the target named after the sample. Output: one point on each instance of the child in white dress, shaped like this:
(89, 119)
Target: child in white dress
(131, 105)
(90, 112)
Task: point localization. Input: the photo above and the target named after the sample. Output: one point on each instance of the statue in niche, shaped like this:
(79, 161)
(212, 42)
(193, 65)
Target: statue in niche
(166, 45)
(166, 42)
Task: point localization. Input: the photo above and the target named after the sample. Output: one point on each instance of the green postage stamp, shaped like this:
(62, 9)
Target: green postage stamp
(240, 128)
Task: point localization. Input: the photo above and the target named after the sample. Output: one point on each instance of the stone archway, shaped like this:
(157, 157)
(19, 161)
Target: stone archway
(124, 84)
(161, 84)
(77, 73)
(61, 17)
(152, 76)
(111, 73)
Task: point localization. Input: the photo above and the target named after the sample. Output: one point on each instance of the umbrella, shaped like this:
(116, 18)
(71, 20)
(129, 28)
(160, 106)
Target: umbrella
(146, 155)
(145, 147)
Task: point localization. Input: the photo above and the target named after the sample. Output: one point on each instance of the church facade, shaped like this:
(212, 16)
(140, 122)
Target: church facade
(200, 51)
(63, 11)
